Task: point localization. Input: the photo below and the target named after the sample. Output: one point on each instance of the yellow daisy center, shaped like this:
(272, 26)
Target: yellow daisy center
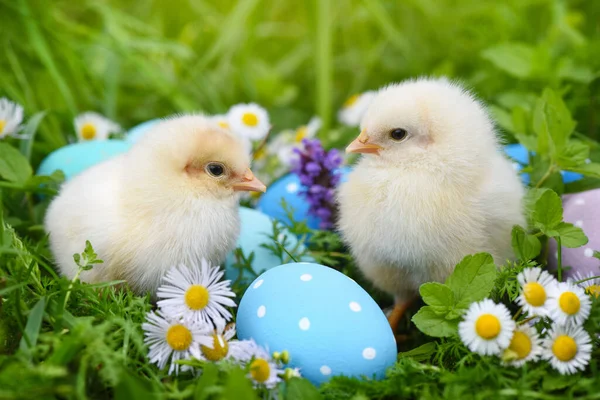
(260, 370)
(196, 297)
(2, 125)
(569, 303)
(250, 119)
(487, 326)
(535, 294)
(564, 348)
(520, 344)
(593, 289)
(219, 350)
(301, 134)
(179, 337)
(350, 101)
(223, 124)
(88, 131)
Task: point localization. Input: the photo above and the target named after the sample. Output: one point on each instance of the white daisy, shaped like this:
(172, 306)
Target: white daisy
(568, 304)
(487, 328)
(591, 283)
(221, 121)
(11, 116)
(250, 121)
(93, 126)
(285, 142)
(263, 370)
(224, 347)
(568, 348)
(196, 293)
(355, 107)
(535, 285)
(174, 339)
(524, 346)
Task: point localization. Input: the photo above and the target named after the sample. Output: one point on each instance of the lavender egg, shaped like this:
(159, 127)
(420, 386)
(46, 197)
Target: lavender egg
(582, 210)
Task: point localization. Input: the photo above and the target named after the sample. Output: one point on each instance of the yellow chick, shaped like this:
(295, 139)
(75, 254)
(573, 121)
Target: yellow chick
(434, 186)
(173, 198)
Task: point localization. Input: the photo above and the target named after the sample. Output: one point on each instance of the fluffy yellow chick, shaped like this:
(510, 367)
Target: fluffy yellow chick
(173, 198)
(434, 186)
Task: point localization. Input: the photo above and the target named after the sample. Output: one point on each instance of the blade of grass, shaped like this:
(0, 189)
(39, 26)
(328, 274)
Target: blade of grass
(323, 66)
(32, 328)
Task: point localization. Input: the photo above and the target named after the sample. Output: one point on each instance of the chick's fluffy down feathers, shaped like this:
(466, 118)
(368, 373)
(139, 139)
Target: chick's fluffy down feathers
(143, 213)
(412, 212)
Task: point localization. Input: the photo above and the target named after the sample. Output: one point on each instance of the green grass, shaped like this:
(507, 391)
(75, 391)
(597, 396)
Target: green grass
(138, 60)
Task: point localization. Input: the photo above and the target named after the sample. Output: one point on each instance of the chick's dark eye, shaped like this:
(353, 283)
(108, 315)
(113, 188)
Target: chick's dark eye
(398, 134)
(215, 169)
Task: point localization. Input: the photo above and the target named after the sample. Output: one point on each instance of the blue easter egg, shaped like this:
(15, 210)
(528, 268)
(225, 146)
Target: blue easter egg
(256, 230)
(77, 157)
(135, 133)
(517, 152)
(289, 189)
(327, 322)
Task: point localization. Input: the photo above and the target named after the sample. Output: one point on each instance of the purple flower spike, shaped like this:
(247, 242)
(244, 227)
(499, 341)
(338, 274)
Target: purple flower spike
(316, 169)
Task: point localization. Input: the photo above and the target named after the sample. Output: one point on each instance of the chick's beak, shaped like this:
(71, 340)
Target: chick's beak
(250, 183)
(361, 145)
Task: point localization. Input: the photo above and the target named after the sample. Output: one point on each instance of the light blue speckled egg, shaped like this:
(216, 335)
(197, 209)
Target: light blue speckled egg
(77, 157)
(256, 230)
(135, 133)
(288, 188)
(328, 323)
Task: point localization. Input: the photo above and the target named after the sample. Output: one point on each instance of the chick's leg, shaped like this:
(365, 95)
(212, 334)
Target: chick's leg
(397, 313)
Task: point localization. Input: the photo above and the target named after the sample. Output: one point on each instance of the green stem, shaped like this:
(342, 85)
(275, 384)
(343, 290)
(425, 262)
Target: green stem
(526, 320)
(70, 288)
(559, 258)
(518, 313)
(545, 176)
(591, 278)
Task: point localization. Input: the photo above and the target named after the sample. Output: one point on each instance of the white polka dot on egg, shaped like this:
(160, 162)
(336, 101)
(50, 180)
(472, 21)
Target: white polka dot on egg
(257, 284)
(292, 187)
(579, 223)
(588, 252)
(369, 353)
(354, 306)
(304, 324)
(325, 370)
(305, 277)
(262, 310)
(579, 201)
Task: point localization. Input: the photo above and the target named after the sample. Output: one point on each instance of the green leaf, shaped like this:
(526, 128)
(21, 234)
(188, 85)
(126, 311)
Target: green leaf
(208, 380)
(591, 169)
(421, 353)
(437, 295)
(525, 246)
(573, 155)
(301, 389)
(570, 235)
(547, 212)
(32, 328)
(552, 122)
(132, 386)
(514, 58)
(472, 279)
(14, 167)
(432, 324)
(29, 132)
(238, 386)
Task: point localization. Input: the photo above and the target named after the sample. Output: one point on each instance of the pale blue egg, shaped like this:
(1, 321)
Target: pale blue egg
(328, 323)
(77, 157)
(135, 133)
(256, 230)
(289, 189)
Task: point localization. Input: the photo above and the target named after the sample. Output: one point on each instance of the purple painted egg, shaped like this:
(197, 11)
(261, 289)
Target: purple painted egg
(582, 210)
